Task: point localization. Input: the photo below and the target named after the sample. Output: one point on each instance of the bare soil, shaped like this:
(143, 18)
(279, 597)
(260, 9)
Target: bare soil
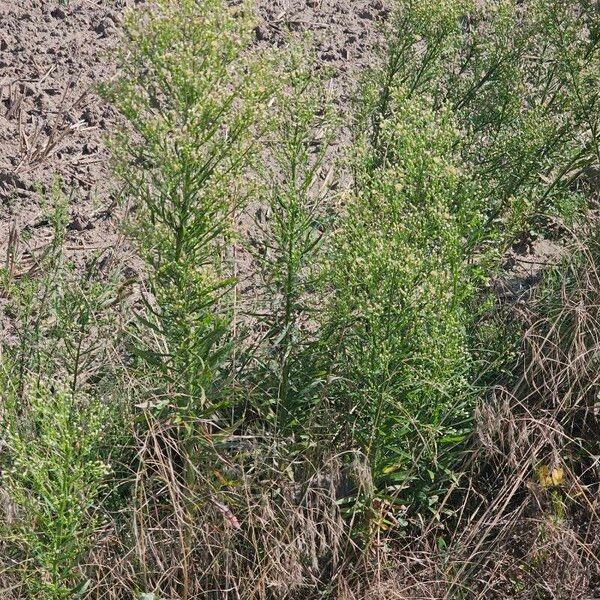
(53, 123)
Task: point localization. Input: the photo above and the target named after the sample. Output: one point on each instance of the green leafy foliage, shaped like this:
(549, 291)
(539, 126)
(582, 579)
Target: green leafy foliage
(54, 475)
(477, 124)
(288, 247)
(402, 286)
(192, 97)
(58, 409)
(522, 80)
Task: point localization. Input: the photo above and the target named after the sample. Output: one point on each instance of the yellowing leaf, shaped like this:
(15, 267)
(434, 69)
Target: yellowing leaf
(390, 469)
(550, 477)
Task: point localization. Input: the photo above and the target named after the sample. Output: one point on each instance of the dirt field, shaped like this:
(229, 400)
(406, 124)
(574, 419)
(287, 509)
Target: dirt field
(52, 122)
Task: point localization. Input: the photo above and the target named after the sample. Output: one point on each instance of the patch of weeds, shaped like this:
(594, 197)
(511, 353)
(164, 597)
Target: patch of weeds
(54, 477)
(58, 410)
(289, 246)
(476, 128)
(193, 97)
(397, 324)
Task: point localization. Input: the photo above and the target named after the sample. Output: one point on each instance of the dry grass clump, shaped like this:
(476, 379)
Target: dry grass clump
(528, 521)
(540, 437)
(260, 536)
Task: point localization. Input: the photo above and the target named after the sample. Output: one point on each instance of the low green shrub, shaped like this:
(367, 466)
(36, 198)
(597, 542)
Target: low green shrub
(59, 409)
(54, 477)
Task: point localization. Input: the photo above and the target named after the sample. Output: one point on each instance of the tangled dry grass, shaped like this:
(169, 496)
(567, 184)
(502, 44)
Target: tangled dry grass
(529, 524)
(540, 438)
(265, 537)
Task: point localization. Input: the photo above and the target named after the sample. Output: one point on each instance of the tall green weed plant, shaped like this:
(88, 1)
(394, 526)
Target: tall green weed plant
(478, 128)
(288, 247)
(397, 323)
(192, 96)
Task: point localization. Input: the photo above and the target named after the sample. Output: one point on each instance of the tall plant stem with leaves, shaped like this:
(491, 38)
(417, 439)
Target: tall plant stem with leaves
(288, 248)
(192, 96)
(194, 114)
